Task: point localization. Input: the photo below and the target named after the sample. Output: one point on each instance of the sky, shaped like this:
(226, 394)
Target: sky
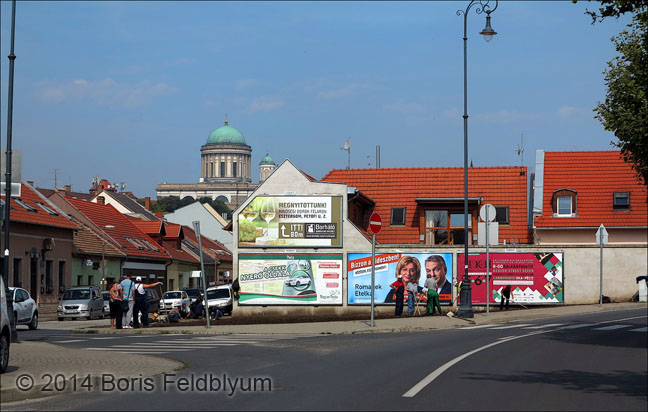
(130, 91)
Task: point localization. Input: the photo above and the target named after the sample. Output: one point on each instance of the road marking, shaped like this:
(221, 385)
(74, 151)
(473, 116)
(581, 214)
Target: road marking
(480, 326)
(69, 341)
(200, 345)
(116, 348)
(613, 327)
(644, 329)
(437, 372)
(513, 326)
(108, 337)
(545, 326)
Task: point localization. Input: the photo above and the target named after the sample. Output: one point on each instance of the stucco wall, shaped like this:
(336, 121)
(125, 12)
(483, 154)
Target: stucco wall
(587, 236)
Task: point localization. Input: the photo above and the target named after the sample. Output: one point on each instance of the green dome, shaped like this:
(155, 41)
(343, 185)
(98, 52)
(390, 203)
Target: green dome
(267, 160)
(226, 135)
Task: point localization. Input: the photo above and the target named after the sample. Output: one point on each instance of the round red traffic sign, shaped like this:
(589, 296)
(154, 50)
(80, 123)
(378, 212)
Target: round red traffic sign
(375, 223)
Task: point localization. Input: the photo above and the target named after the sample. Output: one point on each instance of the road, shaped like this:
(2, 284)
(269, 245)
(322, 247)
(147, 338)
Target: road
(581, 362)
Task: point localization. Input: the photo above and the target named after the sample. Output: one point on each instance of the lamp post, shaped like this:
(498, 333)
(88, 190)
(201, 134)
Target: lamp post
(103, 257)
(465, 308)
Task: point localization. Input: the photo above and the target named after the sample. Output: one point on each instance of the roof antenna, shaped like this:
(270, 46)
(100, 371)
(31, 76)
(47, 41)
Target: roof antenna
(520, 151)
(347, 147)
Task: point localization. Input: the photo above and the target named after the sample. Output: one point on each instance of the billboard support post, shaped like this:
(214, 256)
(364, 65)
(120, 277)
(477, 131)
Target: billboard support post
(373, 276)
(196, 225)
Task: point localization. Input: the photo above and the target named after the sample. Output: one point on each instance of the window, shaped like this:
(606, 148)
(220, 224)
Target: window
(502, 215)
(621, 201)
(234, 169)
(49, 285)
(25, 205)
(61, 276)
(398, 216)
(442, 227)
(17, 264)
(47, 209)
(564, 206)
(222, 173)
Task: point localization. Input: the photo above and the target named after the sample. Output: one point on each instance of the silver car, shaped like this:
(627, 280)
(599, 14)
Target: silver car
(25, 308)
(81, 302)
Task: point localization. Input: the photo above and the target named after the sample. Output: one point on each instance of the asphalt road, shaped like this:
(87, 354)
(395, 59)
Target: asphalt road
(582, 362)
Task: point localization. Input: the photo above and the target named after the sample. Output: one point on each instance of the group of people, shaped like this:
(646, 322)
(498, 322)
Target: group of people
(128, 303)
(408, 273)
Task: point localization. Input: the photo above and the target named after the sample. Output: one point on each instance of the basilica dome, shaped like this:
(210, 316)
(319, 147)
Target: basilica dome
(226, 135)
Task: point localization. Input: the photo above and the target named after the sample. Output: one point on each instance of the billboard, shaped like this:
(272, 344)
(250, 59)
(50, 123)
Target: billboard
(359, 275)
(534, 277)
(306, 279)
(298, 221)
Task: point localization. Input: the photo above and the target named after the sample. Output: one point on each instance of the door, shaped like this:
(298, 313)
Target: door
(97, 301)
(33, 274)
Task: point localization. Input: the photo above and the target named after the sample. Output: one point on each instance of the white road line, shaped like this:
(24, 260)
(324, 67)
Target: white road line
(513, 326)
(205, 345)
(69, 341)
(581, 325)
(644, 329)
(613, 327)
(544, 326)
(480, 326)
(188, 342)
(155, 348)
(109, 337)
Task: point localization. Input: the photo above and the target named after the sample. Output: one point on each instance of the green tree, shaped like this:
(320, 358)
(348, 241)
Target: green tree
(617, 8)
(218, 205)
(625, 110)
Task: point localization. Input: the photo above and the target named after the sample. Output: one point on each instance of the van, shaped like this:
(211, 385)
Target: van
(220, 297)
(5, 329)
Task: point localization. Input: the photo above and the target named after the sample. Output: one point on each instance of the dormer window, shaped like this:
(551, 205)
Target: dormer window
(621, 201)
(563, 203)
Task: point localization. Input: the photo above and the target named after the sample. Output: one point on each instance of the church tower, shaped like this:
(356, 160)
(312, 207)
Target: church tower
(225, 158)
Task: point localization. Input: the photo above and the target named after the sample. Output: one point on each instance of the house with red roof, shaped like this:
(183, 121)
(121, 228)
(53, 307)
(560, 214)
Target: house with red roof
(425, 206)
(143, 256)
(216, 257)
(40, 247)
(577, 192)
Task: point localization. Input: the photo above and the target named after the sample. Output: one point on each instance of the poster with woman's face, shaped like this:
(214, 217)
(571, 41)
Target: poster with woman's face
(413, 267)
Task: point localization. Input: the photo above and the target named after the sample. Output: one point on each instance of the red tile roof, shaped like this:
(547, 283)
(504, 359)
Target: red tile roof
(173, 230)
(209, 246)
(153, 228)
(37, 215)
(140, 244)
(400, 187)
(595, 176)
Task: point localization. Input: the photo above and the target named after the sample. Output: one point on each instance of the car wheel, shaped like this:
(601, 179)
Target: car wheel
(4, 353)
(34, 321)
(60, 319)
(90, 317)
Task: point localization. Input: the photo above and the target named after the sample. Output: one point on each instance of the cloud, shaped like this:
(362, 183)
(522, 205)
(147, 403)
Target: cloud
(505, 117)
(106, 92)
(265, 104)
(347, 90)
(566, 112)
(407, 108)
(242, 84)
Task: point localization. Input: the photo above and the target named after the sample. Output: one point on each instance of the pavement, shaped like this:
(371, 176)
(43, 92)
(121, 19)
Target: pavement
(36, 359)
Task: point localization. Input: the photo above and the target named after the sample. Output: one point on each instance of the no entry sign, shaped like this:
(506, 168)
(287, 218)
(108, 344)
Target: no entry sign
(375, 223)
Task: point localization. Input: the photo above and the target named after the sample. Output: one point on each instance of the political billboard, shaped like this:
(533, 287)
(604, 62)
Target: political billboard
(386, 266)
(295, 221)
(535, 278)
(290, 279)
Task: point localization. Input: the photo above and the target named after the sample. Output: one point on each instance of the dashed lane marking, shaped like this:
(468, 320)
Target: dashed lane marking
(613, 327)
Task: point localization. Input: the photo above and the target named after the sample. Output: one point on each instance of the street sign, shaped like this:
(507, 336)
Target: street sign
(487, 212)
(375, 223)
(601, 235)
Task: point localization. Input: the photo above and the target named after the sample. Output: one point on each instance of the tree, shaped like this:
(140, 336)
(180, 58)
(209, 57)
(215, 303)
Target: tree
(625, 110)
(218, 205)
(616, 8)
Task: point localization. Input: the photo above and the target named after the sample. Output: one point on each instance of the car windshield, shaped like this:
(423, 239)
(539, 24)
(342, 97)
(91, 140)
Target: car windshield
(218, 294)
(172, 295)
(106, 295)
(76, 294)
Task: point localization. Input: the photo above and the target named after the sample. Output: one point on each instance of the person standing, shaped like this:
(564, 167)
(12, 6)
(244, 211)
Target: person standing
(116, 297)
(399, 294)
(506, 294)
(432, 295)
(141, 307)
(127, 286)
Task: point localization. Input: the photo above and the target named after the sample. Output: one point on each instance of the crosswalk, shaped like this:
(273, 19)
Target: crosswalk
(156, 344)
(560, 326)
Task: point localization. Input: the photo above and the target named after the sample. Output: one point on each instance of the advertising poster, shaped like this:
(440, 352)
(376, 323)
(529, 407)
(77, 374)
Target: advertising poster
(359, 275)
(308, 279)
(534, 277)
(280, 221)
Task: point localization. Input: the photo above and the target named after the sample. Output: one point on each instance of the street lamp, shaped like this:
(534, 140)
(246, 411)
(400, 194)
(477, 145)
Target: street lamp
(465, 308)
(103, 257)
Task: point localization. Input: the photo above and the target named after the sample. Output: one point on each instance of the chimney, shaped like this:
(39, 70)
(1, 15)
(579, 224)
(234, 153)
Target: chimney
(101, 200)
(67, 188)
(147, 203)
(30, 183)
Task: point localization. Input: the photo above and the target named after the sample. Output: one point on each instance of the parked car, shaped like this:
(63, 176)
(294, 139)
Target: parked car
(174, 299)
(193, 293)
(81, 302)
(106, 297)
(220, 297)
(25, 308)
(153, 300)
(5, 329)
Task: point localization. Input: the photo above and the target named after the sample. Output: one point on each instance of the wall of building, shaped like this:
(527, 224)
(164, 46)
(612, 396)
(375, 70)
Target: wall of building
(587, 236)
(91, 275)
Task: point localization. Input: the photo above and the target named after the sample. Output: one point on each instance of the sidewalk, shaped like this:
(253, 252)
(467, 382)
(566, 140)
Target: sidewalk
(36, 359)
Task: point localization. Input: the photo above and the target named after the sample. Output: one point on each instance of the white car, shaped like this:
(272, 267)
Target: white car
(220, 297)
(174, 299)
(25, 308)
(5, 329)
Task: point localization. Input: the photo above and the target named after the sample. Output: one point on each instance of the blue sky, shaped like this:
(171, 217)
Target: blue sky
(129, 91)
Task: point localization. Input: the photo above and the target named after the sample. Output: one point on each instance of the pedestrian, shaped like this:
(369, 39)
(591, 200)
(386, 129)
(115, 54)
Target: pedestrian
(432, 295)
(127, 286)
(399, 295)
(116, 297)
(506, 294)
(141, 306)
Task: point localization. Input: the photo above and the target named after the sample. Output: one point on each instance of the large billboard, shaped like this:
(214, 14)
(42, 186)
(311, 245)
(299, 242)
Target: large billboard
(386, 266)
(291, 279)
(298, 221)
(533, 277)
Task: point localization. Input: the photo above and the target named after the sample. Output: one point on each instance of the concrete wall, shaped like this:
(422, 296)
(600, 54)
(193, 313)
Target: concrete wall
(587, 236)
